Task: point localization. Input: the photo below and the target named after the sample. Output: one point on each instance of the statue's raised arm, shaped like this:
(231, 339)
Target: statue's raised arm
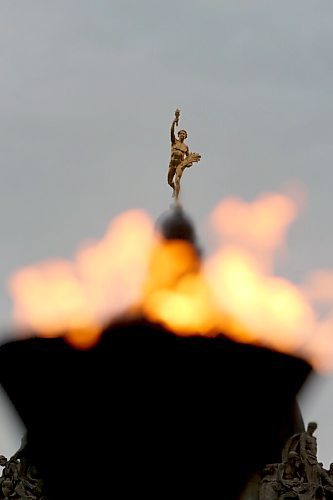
(175, 122)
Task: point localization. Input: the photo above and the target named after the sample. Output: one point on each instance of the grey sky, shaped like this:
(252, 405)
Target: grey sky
(87, 93)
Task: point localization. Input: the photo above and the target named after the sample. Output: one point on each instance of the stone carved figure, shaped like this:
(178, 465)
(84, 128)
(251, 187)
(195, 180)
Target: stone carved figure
(20, 480)
(299, 475)
(308, 452)
(10, 476)
(290, 476)
(326, 481)
(269, 485)
(181, 157)
(330, 471)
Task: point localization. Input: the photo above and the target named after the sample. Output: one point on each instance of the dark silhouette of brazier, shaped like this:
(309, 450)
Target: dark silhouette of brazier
(147, 413)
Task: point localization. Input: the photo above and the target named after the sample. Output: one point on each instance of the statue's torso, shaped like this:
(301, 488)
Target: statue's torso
(311, 445)
(289, 472)
(178, 150)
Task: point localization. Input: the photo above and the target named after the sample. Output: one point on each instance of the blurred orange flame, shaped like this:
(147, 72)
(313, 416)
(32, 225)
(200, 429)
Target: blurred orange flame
(133, 270)
(78, 297)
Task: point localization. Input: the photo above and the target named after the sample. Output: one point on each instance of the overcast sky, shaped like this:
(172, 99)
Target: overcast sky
(87, 94)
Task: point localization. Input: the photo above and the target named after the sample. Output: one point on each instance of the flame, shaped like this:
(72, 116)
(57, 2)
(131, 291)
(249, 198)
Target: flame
(78, 297)
(318, 286)
(272, 309)
(234, 290)
(176, 293)
(260, 226)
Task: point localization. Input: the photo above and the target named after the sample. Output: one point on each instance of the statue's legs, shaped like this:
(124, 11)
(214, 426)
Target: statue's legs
(179, 172)
(171, 174)
(269, 491)
(177, 188)
(311, 472)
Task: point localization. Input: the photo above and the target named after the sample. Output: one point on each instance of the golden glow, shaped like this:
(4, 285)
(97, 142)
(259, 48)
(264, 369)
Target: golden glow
(78, 297)
(272, 309)
(233, 291)
(175, 292)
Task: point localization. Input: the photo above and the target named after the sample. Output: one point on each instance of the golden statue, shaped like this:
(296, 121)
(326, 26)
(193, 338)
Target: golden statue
(181, 157)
